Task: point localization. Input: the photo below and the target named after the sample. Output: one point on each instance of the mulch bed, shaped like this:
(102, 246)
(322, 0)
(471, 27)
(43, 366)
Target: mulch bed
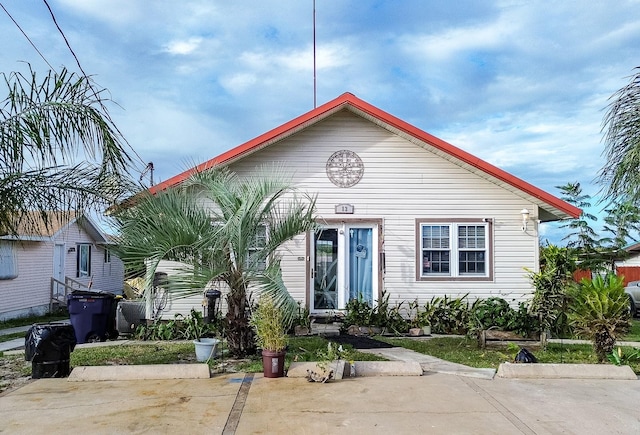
(360, 342)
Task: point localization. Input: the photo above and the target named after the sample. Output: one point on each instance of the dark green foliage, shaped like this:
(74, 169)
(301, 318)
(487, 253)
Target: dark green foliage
(495, 313)
(192, 327)
(551, 283)
(598, 310)
(358, 312)
(450, 315)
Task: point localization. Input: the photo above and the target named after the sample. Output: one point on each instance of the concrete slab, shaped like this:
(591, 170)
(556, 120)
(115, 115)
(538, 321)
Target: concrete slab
(432, 364)
(139, 372)
(388, 368)
(565, 371)
(55, 406)
(433, 403)
(299, 369)
(362, 368)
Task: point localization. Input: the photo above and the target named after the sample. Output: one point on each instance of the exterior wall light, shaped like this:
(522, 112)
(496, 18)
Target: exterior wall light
(525, 218)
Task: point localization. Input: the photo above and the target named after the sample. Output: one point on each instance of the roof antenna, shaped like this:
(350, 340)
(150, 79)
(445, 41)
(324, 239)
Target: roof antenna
(314, 56)
(148, 168)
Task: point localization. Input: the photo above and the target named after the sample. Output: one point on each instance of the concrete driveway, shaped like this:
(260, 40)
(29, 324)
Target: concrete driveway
(235, 403)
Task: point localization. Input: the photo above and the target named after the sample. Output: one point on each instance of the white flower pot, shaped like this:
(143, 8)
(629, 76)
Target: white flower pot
(206, 348)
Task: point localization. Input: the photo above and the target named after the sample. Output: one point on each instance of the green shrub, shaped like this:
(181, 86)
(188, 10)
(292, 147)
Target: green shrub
(598, 310)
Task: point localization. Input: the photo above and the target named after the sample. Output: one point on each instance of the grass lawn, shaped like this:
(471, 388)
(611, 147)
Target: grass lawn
(28, 321)
(466, 351)
(9, 337)
(634, 334)
(167, 352)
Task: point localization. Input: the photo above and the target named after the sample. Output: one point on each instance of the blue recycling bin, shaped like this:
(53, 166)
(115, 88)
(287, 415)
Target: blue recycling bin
(92, 315)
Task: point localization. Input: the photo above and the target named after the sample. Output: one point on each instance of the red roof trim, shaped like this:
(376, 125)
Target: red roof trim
(355, 102)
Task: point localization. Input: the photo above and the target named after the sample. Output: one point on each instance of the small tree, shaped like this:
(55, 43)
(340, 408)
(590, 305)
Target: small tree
(551, 283)
(599, 311)
(228, 229)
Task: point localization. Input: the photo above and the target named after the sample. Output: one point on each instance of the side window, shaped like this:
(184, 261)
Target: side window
(107, 255)
(83, 260)
(8, 260)
(257, 245)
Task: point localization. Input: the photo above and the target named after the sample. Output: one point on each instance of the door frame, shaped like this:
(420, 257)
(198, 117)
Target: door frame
(380, 261)
(59, 252)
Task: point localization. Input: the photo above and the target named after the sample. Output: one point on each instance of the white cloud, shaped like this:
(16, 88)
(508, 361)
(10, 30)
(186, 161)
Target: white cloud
(183, 47)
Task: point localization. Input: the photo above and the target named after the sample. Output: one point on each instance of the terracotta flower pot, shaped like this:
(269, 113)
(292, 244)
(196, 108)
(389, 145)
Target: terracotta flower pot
(273, 363)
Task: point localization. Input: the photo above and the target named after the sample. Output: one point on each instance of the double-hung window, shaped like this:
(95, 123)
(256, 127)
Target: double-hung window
(255, 254)
(459, 250)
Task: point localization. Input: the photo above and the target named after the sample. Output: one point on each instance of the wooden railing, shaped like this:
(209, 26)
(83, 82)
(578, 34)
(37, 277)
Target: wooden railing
(60, 290)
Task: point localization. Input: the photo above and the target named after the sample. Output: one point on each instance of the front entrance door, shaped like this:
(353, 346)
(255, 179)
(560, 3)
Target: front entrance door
(344, 266)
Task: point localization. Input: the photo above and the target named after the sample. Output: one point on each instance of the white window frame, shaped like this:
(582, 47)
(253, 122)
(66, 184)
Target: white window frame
(8, 260)
(256, 247)
(81, 273)
(452, 245)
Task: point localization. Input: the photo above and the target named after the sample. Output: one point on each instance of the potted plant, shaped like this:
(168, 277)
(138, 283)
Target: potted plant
(271, 336)
(195, 328)
(302, 322)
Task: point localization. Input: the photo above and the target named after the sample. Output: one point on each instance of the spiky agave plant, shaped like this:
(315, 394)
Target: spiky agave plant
(599, 311)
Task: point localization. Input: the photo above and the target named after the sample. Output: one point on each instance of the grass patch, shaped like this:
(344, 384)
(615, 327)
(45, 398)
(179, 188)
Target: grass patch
(466, 351)
(134, 354)
(9, 337)
(634, 334)
(166, 352)
(28, 321)
(303, 349)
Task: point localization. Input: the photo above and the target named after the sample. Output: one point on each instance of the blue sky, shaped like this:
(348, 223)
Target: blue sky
(520, 84)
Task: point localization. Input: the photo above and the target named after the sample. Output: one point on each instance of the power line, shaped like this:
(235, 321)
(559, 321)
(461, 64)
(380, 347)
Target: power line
(27, 36)
(89, 81)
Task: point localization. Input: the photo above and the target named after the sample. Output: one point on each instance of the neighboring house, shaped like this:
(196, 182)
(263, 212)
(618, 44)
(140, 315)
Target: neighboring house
(401, 210)
(630, 266)
(72, 247)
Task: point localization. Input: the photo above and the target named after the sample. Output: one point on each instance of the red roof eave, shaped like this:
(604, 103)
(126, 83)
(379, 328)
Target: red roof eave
(358, 104)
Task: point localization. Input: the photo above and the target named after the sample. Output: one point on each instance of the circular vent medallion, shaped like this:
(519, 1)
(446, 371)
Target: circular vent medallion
(345, 168)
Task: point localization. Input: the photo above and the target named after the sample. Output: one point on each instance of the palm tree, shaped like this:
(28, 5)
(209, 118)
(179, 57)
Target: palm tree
(619, 176)
(45, 128)
(228, 230)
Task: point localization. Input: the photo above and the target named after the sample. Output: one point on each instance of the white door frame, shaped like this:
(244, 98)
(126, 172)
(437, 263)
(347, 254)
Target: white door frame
(343, 234)
(59, 252)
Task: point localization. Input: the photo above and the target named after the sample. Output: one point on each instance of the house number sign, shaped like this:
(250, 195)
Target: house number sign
(344, 209)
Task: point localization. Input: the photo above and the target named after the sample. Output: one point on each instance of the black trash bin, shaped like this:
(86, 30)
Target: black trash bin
(48, 346)
(92, 315)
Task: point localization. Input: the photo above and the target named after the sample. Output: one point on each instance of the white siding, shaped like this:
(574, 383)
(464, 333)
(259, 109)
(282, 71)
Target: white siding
(29, 292)
(178, 305)
(402, 181)
(106, 277)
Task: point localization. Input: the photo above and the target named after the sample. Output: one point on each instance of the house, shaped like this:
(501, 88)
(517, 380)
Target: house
(36, 264)
(401, 210)
(629, 267)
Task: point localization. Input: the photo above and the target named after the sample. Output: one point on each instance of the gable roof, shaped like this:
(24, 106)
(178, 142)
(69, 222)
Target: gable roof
(33, 227)
(551, 207)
